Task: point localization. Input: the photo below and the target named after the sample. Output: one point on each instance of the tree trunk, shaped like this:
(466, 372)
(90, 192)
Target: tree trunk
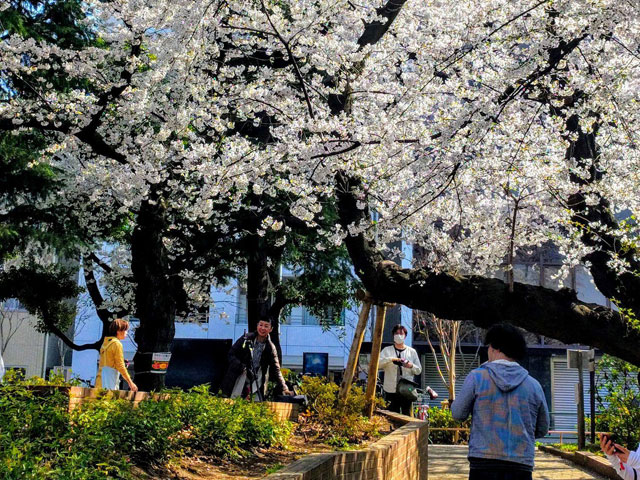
(487, 301)
(623, 287)
(259, 290)
(155, 295)
(263, 278)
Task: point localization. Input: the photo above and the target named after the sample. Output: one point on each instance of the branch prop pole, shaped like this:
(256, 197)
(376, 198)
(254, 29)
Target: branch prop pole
(372, 379)
(354, 353)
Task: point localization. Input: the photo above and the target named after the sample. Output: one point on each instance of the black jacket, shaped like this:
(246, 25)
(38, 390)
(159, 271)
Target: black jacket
(240, 362)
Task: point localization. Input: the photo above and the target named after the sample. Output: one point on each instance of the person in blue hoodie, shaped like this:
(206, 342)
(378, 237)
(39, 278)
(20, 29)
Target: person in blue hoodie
(508, 407)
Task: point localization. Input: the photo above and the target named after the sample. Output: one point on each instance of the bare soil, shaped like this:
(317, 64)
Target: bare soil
(258, 465)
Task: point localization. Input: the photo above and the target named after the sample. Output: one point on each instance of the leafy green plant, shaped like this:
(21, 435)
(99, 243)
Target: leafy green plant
(41, 439)
(442, 418)
(619, 406)
(222, 427)
(274, 468)
(573, 447)
(340, 424)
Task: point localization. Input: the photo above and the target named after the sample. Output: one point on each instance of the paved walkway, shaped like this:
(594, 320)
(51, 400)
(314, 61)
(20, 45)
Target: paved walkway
(447, 462)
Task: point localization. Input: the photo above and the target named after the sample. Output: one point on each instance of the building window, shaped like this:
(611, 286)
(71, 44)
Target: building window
(13, 305)
(302, 316)
(241, 311)
(297, 316)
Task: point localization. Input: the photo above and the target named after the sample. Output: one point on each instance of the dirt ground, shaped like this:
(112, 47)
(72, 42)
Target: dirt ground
(258, 465)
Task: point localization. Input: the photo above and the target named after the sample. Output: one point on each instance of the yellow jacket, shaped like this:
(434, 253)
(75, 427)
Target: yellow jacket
(112, 355)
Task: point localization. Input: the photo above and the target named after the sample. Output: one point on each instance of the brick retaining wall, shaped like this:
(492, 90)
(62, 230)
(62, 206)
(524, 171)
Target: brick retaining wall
(401, 455)
(80, 395)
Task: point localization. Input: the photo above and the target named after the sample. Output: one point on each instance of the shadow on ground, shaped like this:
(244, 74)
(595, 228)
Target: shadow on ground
(449, 462)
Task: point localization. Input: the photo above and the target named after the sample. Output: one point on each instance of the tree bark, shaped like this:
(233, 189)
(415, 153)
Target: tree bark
(263, 278)
(487, 301)
(155, 294)
(258, 285)
(621, 287)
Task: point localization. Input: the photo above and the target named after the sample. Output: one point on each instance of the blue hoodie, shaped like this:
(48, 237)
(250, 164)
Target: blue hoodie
(509, 412)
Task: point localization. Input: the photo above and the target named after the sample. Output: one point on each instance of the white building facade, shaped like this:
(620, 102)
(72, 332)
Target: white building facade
(300, 332)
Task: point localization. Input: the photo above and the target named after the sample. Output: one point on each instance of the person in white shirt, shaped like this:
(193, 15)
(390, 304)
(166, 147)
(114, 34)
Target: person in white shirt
(394, 359)
(625, 462)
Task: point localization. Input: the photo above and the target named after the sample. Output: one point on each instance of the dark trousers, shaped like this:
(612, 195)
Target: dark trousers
(397, 403)
(498, 474)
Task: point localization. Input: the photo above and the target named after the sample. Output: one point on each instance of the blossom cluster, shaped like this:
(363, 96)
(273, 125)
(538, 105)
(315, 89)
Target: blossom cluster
(455, 119)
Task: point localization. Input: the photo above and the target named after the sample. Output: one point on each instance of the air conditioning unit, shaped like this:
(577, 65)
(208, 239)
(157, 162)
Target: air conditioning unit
(64, 371)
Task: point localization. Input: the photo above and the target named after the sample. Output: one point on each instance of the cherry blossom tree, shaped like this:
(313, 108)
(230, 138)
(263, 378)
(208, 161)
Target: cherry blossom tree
(472, 129)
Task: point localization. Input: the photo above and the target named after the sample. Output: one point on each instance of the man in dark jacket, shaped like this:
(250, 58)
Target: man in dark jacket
(251, 360)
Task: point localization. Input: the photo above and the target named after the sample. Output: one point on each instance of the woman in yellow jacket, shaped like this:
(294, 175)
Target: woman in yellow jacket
(111, 364)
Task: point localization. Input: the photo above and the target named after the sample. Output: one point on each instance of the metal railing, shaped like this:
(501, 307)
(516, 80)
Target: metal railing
(552, 433)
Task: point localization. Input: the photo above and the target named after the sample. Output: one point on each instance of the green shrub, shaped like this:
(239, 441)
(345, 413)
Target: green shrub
(340, 424)
(34, 427)
(622, 415)
(442, 418)
(144, 435)
(222, 427)
(40, 439)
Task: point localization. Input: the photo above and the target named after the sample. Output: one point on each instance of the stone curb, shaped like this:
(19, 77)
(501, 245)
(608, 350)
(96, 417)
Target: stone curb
(587, 460)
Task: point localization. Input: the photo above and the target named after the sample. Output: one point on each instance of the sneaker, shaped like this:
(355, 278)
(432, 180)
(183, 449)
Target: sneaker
(432, 393)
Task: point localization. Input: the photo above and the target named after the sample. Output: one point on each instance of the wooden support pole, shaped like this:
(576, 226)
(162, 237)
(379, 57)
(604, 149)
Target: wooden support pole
(372, 380)
(352, 363)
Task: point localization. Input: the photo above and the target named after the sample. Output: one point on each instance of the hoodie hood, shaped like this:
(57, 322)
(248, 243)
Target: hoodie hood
(506, 376)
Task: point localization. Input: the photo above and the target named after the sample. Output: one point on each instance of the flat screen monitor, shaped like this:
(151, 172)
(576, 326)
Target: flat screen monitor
(315, 364)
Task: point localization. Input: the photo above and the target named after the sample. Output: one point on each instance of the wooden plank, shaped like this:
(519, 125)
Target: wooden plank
(372, 379)
(352, 362)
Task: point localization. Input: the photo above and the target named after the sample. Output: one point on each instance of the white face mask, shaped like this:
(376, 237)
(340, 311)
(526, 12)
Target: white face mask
(398, 338)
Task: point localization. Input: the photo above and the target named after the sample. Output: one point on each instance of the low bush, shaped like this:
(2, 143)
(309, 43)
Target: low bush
(221, 427)
(442, 418)
(340, 424)
(573, 447)
(618, 400)
(40, 439)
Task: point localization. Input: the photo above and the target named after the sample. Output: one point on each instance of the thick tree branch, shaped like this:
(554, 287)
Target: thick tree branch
(374, 31)
(485, 301)
(597, 222)
(62, 336)
(103, 265)
(105, 315)
(89, 137)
